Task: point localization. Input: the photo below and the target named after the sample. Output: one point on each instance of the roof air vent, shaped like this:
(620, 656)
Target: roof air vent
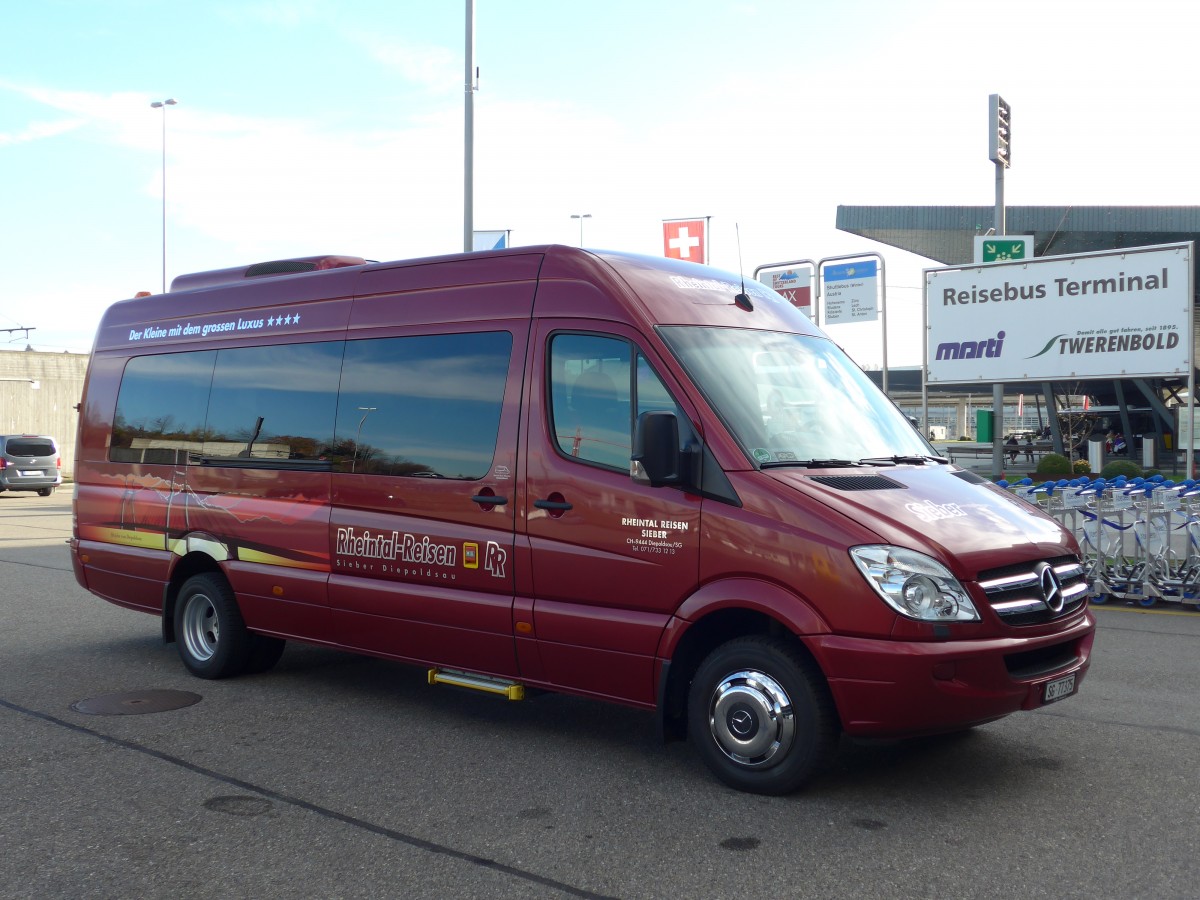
(263, 270)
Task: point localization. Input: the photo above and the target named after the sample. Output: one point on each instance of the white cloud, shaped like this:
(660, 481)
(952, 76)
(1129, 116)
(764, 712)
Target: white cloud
(36, 131)
(438, 69)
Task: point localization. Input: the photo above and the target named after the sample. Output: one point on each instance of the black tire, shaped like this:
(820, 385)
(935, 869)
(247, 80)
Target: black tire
(45, 492)
(761, 716)
(264, 653)
(212, 637)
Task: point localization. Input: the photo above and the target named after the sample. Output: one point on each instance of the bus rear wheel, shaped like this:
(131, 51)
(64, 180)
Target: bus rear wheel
(212, 637)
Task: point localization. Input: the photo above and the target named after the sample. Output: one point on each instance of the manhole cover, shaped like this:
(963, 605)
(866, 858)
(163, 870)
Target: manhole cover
(135, 703)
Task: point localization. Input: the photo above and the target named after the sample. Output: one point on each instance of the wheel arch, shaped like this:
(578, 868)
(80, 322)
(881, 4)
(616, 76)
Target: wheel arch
(193, 563)
(717, 613)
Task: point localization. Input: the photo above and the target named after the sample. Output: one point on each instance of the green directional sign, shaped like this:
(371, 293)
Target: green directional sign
(1001, 249)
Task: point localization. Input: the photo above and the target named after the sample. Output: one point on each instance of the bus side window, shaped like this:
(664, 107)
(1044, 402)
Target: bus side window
(423, 406)
(590, 398)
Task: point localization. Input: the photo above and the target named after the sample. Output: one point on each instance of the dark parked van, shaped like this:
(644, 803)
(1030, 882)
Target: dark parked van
(29, 462)
(629, 478)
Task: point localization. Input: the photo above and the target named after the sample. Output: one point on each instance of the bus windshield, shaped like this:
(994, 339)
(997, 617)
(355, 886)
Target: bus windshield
(794, 399)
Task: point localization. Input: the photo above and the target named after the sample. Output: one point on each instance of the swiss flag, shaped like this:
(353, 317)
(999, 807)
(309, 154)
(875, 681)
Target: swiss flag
(686, 239)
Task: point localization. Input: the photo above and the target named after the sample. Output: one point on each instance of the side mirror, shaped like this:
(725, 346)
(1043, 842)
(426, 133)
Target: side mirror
(656, 457)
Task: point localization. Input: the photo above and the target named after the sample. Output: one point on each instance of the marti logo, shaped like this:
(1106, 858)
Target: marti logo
(988, 347)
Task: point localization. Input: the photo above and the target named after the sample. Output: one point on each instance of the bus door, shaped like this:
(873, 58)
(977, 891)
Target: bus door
(421, 535)
(612, 559)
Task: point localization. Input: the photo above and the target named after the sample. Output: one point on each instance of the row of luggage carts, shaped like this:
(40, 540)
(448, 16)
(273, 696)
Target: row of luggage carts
(1140, 537)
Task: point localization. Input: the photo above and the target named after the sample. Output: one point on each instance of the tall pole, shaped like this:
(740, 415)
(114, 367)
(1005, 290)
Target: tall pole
(1001, 225)
(163, 104)
(581, 217)
(469, 134)
(999, 152)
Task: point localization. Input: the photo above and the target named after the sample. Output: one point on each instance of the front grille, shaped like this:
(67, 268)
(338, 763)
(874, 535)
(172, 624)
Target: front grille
(1017, 594)
(1042, 661)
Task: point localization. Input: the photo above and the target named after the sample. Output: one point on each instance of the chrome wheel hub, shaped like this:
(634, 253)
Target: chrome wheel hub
(751, 719)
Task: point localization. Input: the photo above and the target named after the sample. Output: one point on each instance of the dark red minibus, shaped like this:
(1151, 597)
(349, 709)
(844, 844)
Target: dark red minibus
(628, 478)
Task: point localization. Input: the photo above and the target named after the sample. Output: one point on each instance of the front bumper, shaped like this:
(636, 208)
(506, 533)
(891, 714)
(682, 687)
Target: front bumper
(901, 688)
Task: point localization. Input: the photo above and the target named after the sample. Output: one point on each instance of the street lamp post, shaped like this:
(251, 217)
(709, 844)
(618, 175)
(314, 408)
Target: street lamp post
(163, 104)
(581, 217)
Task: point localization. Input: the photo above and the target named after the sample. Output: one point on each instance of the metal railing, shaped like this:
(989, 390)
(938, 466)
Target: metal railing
(1139, 538)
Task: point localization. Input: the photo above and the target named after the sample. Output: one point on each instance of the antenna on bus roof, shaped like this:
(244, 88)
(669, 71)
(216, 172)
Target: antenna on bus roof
(742, 299)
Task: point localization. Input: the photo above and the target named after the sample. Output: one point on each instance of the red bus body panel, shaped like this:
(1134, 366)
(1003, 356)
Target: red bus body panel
(563, 599)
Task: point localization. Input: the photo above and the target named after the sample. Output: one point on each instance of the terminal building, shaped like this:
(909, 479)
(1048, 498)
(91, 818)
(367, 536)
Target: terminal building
(1146, 407)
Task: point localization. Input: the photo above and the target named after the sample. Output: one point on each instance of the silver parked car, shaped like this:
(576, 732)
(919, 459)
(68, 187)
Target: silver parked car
(29, 462)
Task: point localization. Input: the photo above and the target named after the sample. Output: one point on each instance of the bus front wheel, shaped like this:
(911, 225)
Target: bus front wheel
(761, 716)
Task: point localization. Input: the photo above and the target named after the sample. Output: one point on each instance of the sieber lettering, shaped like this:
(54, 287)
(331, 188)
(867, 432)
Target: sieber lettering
(931, 512)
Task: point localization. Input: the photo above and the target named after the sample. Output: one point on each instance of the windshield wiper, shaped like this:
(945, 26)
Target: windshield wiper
(902, 460)
(812, 463)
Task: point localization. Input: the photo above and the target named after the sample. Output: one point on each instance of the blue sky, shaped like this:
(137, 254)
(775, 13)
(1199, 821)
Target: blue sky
(337, 127)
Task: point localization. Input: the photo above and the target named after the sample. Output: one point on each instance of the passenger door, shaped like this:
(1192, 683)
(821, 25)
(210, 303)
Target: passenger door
(611, 559)
(421, 534)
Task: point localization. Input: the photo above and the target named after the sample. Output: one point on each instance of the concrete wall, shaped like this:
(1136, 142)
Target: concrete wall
(48, 408)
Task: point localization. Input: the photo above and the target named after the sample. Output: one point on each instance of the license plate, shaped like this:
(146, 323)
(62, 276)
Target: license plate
(37, 473)
(1059, 688)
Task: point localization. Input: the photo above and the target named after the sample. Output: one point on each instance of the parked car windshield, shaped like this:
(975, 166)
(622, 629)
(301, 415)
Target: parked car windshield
(793, 399)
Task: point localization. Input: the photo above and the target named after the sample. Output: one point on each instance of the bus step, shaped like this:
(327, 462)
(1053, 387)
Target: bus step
(487, 683)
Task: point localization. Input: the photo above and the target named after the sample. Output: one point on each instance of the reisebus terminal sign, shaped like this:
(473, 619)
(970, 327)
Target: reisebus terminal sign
(1096, 315)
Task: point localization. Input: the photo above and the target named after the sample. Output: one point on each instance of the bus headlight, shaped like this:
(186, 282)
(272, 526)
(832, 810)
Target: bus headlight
(913, 584)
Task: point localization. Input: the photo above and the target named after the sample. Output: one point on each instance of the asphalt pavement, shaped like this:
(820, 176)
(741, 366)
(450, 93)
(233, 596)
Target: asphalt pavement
(342, 776)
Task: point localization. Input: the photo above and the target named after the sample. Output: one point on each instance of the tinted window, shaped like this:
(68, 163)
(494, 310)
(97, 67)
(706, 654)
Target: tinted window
(591, 397)
(273, 402)
(29, 447)
(589, 387)
(427, 406)
(653, 396)
(162, 406)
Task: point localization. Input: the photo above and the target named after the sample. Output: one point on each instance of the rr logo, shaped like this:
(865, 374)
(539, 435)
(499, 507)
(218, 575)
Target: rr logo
(494, 558)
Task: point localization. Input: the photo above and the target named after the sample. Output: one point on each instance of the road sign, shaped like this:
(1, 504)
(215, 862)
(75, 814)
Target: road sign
(851, 292)
(1002, 249)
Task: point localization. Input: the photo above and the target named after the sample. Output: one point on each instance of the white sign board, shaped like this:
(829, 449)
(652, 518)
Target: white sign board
(1097, 315)
(795, 285)
(489, 240)
(850, 292)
